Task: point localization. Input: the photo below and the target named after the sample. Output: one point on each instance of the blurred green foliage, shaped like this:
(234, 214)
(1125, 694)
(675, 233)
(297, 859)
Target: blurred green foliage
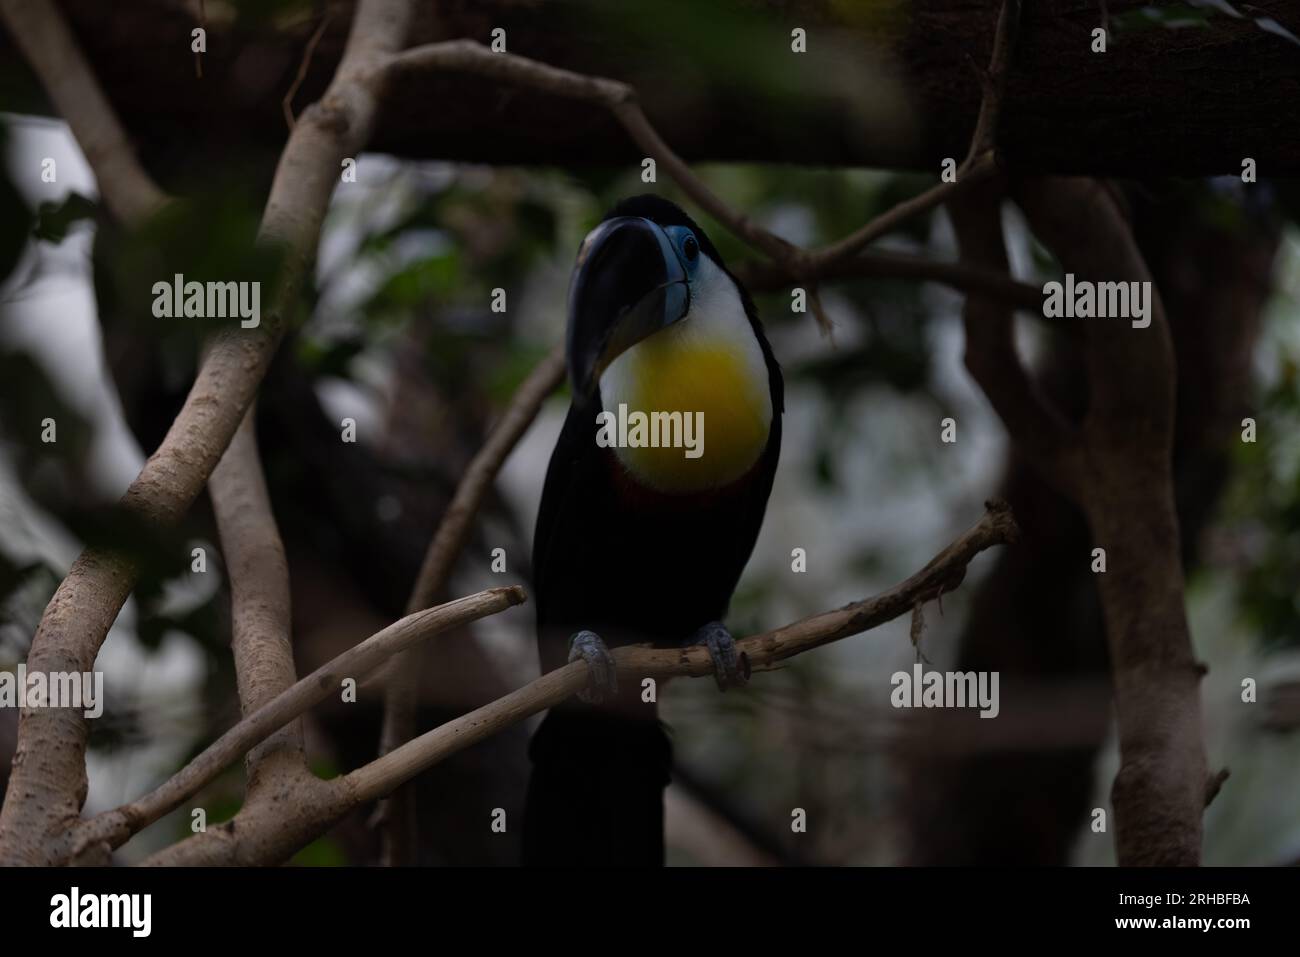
(1264, 506)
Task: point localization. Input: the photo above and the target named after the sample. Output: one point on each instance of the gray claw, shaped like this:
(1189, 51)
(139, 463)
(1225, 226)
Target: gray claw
(603, 670)
(730, 666)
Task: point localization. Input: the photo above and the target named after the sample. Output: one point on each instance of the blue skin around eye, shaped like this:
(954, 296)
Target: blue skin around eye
(678, 236)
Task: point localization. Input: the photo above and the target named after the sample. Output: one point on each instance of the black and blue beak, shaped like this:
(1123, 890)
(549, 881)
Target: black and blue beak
(628, 284)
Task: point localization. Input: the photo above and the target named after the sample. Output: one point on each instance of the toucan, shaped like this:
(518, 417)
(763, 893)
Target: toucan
(639, 537)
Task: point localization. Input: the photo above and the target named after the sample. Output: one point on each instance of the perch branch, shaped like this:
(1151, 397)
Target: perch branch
(271, 836)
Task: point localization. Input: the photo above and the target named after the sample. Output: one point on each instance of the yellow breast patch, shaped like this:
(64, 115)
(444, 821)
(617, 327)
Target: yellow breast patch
(681, 373)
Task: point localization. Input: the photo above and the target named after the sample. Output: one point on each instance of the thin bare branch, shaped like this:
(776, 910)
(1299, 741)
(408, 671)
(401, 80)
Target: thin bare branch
(272, 836)
(353, 664)
(1036, 426)
(635, 662)
(761, 276)
(471, 56)
(621, 100)
(979, 169)
(259, 595)
(286, 105)
(993, 83)
(457, 521)
(447, 544)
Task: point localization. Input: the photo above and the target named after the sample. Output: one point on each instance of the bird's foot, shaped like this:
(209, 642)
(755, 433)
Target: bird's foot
(730, 666)
(602, 669)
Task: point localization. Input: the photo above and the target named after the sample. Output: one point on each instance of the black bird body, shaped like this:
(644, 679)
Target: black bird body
(634, 563)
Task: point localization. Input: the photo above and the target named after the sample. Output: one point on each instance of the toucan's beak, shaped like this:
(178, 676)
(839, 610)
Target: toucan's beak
(628, 284)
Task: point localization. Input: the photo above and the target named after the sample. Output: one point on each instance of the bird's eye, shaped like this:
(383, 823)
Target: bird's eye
(690, 247)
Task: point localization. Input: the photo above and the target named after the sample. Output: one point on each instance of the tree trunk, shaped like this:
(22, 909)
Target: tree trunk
(1036, 617)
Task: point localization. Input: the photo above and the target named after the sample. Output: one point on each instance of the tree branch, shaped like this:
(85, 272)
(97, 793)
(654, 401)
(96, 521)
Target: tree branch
(355, 663)
(286, 104)
(273, 834)
(979, 163)
(48, 784)
(1039, 431)
(260, 623)
(636, 662)
(1051, 121)
(1126, 489)
(968, 174)
(1117, 467)
(621, 100)
(259, 597)
(43, 36)
(993, 83)
(457, 521)
(761, 276)
(618, 97)
(447, 544)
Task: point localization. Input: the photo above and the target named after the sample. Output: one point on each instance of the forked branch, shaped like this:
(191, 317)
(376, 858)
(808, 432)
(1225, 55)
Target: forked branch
(270, 836)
